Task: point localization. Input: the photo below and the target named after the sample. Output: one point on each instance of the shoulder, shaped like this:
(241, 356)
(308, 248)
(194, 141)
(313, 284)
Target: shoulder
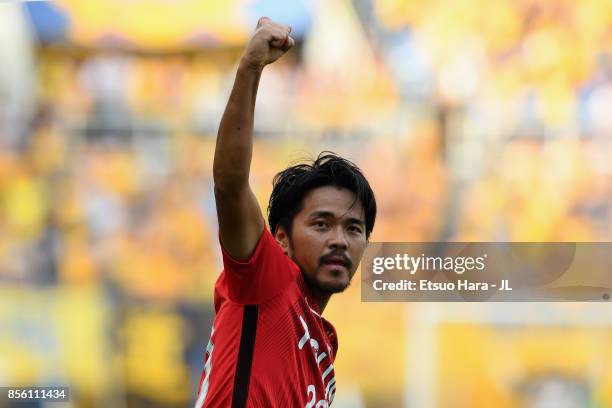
(266, 274)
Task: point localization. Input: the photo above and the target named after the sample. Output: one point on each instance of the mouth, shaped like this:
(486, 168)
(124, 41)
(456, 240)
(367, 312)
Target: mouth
(335, 264)
(339, 263)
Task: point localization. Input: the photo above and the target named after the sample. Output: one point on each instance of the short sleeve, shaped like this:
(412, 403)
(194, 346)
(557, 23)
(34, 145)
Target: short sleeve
(264, 275)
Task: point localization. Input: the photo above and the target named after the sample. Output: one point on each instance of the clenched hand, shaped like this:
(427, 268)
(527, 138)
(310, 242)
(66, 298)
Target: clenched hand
(269, 42)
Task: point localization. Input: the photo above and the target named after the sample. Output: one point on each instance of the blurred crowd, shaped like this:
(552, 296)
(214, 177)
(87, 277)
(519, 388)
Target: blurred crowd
(472, 119)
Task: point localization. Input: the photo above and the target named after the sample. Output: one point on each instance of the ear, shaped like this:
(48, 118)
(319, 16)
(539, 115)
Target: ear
(283, 239)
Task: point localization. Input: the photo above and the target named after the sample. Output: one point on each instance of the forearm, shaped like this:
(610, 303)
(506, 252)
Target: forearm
(234, 147)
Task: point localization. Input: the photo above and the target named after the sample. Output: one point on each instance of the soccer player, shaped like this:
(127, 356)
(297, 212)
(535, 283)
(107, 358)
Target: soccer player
(270, 346)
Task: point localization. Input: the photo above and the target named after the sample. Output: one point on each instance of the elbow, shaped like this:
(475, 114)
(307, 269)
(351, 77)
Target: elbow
(228, 182)
(230, 168)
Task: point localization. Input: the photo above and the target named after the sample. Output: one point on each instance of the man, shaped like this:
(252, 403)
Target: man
(269, 345)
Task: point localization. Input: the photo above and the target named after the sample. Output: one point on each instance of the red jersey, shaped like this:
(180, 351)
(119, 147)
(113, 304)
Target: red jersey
(269, 345)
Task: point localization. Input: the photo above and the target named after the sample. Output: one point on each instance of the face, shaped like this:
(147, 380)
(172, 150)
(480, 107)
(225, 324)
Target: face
(328, 238)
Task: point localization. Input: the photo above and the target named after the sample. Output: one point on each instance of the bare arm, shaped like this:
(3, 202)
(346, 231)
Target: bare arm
(240, 220)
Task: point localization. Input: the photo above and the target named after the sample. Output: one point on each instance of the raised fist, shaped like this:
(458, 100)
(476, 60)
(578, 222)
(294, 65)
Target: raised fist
(270, 41)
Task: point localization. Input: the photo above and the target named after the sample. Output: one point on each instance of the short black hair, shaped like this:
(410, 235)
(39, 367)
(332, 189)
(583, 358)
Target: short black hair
(291, 185)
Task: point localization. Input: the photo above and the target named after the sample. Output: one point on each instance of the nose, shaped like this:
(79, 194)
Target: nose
(338, 239)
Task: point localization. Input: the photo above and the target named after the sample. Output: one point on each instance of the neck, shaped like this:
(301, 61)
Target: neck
(322, 298)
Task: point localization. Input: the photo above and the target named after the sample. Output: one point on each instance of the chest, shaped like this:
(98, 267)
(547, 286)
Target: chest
(299, 352)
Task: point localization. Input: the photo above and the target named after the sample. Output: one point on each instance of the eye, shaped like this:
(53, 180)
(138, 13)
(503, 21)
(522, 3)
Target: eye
(355, 229)
(320, 224)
